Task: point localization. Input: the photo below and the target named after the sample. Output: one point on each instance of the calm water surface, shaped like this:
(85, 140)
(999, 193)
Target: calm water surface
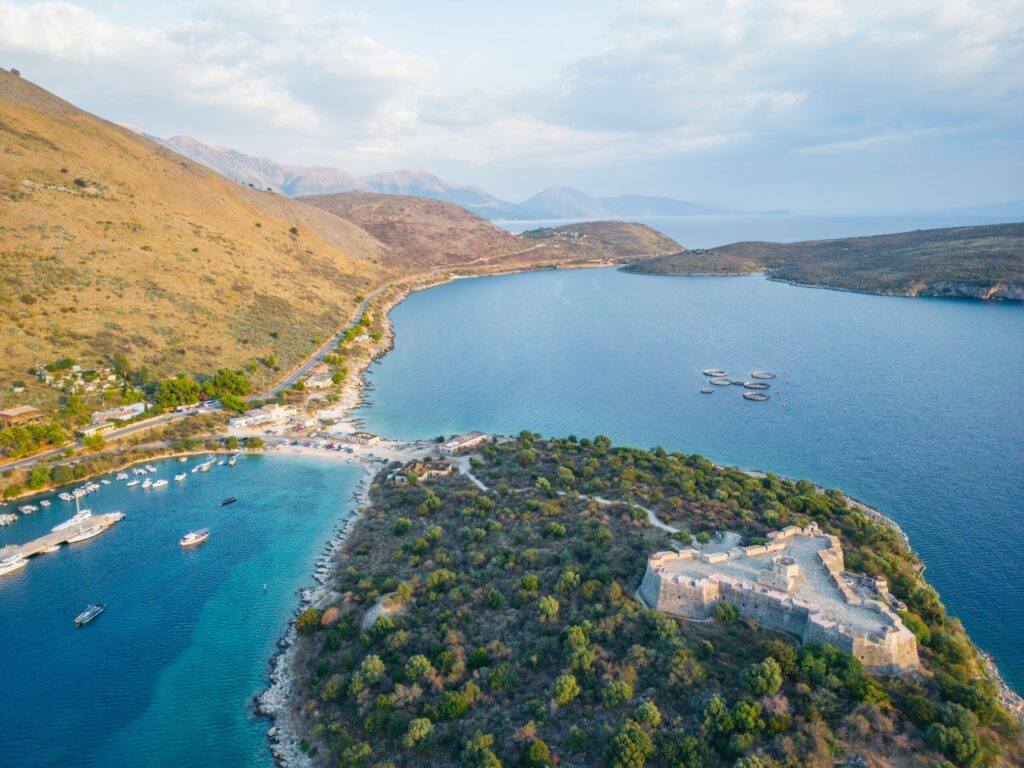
(912, 405)
(164, 676)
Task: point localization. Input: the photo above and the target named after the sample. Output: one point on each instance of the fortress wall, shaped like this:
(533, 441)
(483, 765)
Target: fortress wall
(768, 608)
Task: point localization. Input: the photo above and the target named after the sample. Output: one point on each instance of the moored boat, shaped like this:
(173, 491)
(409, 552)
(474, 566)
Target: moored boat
(27, 509)
(86, 533)
(180, 477)
(89, 614)
(12, 564)
(159, 484)
(193, 538)
(44, 503)
(122, 475)
(132, 483)
(52, 548)
(147, 484)
(229, 500)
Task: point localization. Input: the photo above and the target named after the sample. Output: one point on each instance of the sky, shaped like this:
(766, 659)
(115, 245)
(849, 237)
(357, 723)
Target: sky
(812, 105)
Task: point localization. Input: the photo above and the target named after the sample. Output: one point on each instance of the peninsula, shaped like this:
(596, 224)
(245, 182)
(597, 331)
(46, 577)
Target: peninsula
(982, 262)
(493, 609)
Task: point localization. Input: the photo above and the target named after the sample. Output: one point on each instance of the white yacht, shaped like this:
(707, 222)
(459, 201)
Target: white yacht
(183, 459)
(192, 538)
(12, 564)
(178, 478)
(147, 484)
(27, 509)
(159, 484)
(86, 533)
(52, 548)
(44, 503)
(105, 481)
(132, 483)
(122, 475)
(81, 516)
(65, 496)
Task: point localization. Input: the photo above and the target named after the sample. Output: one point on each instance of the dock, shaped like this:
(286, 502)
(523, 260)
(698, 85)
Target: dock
(36, 546)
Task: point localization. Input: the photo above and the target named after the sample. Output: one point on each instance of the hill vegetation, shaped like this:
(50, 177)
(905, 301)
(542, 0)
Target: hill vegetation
(111, 245)
(603, 240)
(982, 262)
(498, 627)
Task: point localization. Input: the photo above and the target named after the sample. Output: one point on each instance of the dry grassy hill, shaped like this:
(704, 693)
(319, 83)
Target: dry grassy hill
(619, 240)
(109, 243)
(419, 230)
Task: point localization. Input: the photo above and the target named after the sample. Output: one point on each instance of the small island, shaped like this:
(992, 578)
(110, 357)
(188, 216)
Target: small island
(983, 262)
(494, 610)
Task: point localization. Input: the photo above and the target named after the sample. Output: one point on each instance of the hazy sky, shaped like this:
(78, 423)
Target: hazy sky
(806, 104)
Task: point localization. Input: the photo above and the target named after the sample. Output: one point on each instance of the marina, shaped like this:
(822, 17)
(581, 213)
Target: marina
(71, 534)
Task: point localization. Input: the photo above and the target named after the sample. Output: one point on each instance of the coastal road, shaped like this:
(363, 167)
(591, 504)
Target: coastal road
(317, 356)
(141, 426)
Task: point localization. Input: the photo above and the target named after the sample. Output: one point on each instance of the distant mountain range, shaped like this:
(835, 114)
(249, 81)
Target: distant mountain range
(553, 203)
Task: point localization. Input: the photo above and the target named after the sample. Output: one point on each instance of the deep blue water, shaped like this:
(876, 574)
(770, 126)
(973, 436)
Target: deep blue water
(711, 231)
(912, 405)
(164, 676)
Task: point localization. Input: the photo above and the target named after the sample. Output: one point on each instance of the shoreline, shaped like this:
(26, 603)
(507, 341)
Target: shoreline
(275, 702)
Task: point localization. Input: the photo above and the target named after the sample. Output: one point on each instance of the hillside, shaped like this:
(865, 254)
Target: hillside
(110, 245)
(420, 231)
(422, 184)
(982, 262)
(603, 240)
(496, 622)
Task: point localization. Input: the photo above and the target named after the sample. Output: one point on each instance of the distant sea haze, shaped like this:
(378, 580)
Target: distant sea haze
(712, 231)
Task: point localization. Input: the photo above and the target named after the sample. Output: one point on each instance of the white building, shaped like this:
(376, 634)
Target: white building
(267, 414)
(464, 442)
(320, 381)
(120, 413)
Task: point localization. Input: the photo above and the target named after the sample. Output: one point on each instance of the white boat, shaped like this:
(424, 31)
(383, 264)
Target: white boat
(12, 564)
(80, 517)
(86, 533)
(204, 467)
(52, 548)
(192, 538)
(232, 461)
(117, 517)
(196, 468)
(27, 509)
(44, 503)
(147, 484)
(181, 477)
(65, 496)
(122, 475)
(105, 481)
(159, 484)
(150, 468)
(183, 459)
(132, 483)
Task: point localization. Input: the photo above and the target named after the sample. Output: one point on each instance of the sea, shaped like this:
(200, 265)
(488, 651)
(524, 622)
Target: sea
(911, 405)
(165, 675)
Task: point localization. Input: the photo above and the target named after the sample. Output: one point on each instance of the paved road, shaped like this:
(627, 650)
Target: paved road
(140, 426)
(317, 356)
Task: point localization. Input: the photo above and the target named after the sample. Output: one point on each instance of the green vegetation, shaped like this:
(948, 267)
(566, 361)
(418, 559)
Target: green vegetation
(517, 639)
(984, 262)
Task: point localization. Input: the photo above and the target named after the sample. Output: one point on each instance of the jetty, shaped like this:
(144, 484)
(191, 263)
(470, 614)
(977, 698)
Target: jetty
(36, 546)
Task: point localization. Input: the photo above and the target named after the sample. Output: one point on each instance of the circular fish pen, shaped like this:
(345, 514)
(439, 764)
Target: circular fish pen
(718, 381)
(714, 373)
(762, 375)
(755, 385)
(758, 397)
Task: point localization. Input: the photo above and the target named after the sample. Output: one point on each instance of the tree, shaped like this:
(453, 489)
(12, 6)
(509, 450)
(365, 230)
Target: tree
(180, 390)
(547, 608)
(726, 613)
(478, 752)
(494, 599)
(39, 477)
(253, 443)
(93, 442)
(764, 678)
(537, 755)
(231, 443)
(233, 403)
(417, 733)
(630, 748)
(372, 669)
(565, 689)
(62, 474)
(649, 714)
(617, 693)
(308, 621)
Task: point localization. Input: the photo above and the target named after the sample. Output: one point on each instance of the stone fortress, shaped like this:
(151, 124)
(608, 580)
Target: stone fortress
(795, 583)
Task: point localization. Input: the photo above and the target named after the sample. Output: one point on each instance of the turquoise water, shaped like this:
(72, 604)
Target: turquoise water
(165, 675)
(912, 405)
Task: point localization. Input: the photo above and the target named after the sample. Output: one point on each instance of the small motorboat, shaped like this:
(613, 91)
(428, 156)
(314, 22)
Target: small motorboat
(86, 534)
(44, 503)
(89, 614)
(52, 548)
(132, 483)
(159, 484)
(229, 500)
(147, 484)
(105, 481)
(182, 459)
(122, 475)
(179, 477)
(707, 391)
(27, 509)
(12, 564)
(194, 538)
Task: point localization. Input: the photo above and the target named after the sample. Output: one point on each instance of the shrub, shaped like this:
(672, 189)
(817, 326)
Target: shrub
(630, 748)
(648, 714)
(537, 755)
(726, 613)
(617, 693)
(308, 621)
(418, 667)
(565, 690)
(547, 608)
(763, 679)
(478, 752)
(417, 733)
(529, 582)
